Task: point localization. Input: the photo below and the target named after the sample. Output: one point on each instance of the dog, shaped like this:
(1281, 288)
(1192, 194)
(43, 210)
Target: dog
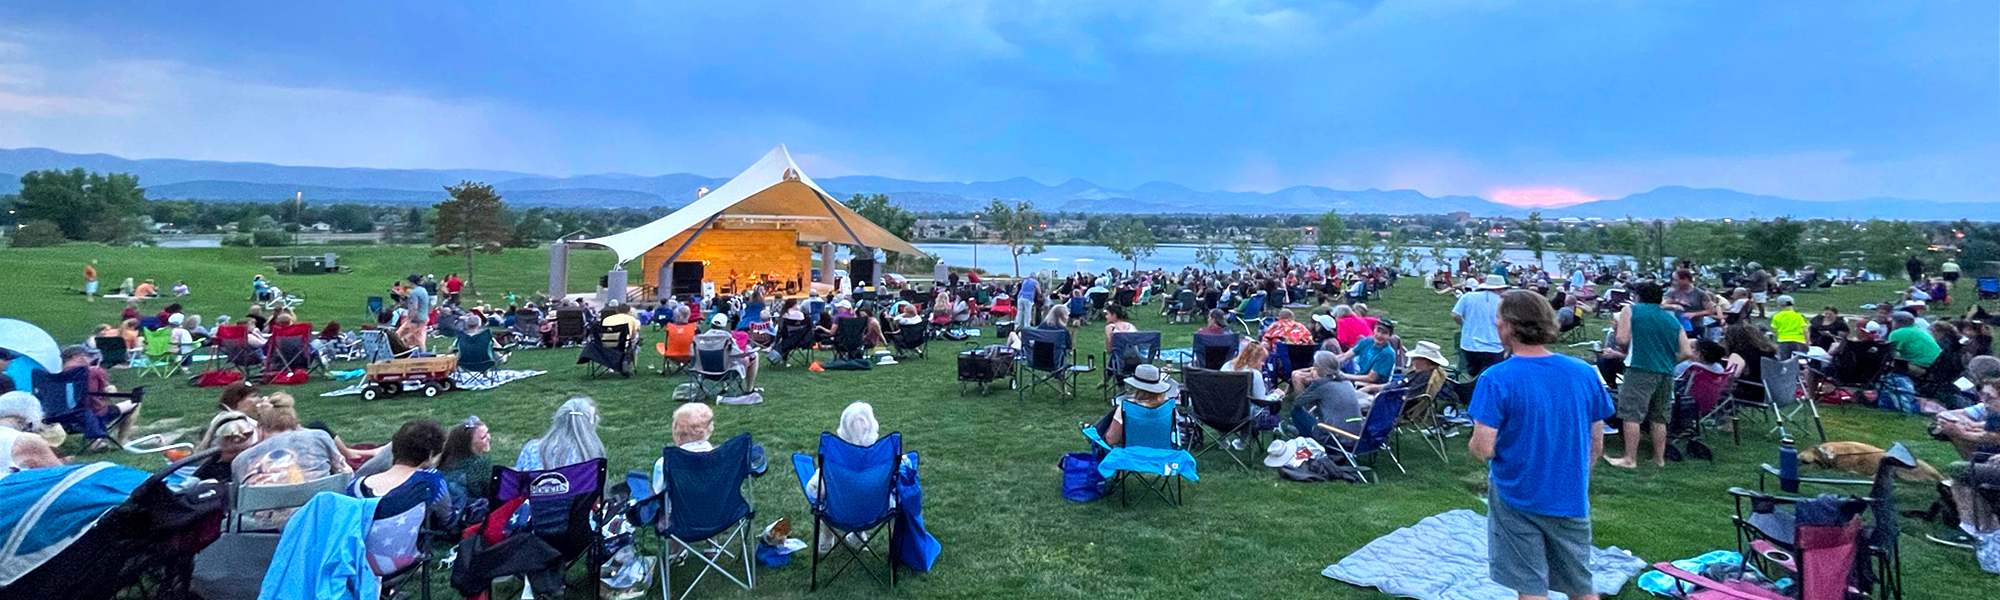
(1862, 459)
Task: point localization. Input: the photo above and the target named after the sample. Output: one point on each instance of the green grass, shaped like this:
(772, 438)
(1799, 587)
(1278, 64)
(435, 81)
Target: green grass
(989, 464)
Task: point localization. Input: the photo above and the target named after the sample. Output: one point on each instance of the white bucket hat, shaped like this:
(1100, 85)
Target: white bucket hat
(1429, 351)
(1149, 378)
(1292, 452)
(1494, 282)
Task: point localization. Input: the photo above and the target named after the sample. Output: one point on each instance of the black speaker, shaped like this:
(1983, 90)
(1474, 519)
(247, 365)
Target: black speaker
(686, 279)
(862, 270)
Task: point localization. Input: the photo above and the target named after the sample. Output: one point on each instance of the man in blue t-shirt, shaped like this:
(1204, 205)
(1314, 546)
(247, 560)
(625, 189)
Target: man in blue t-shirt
(1539, 425)
(1374, 358)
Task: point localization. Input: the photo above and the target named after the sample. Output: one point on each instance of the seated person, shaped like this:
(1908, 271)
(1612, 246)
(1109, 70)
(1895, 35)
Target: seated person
(467, 473)
(77, 357)
(1426, 375)
(230, 432)
(693, 423)
(1250, 359)
(20, 447)
(1218, 320)
(1568, 317)
(742, 358)
(1974, 429)
(1374, 357)
(408, 488)
(572, 438)
(1150, 389)
(620, 315)
(1333, 401)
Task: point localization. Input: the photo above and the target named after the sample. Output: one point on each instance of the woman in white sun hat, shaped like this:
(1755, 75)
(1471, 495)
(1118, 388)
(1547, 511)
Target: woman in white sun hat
(1150, 388)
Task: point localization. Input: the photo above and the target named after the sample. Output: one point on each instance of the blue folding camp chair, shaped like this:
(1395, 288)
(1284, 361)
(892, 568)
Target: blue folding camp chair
(1079, 310)
(1377, 435)
(476, 356)
(1127, 352)
(1251, 318)
(1152, 453)
(856, 485)
(65, 401)
(704, 494)
(1989, 288)
(1049, 357)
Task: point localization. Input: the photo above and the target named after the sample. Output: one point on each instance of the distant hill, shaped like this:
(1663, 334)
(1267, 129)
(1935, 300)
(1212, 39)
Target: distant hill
(260, 182)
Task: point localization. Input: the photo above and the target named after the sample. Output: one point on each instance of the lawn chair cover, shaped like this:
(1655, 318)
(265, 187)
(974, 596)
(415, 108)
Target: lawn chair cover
(43, 511)
(915, 547)
(704, 490)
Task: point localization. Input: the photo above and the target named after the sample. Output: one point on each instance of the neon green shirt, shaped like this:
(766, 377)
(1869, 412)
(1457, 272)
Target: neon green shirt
(1789, 325)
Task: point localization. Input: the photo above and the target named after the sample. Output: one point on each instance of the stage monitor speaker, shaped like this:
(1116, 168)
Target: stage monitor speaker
(686, 278)
(862, 270)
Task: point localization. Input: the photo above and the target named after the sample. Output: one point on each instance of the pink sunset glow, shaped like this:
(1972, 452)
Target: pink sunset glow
(1541, 197)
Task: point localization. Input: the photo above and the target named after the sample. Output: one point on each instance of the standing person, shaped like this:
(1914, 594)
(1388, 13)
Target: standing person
(1655, 340)
(1789, 327)
(1694, 305)
(1539, 426)
(1759, 284)
(90, 281)
(1915, 267)
(1029, 297)
(1950, 271)
(1478, 338)
(422, 299)
(452, 286)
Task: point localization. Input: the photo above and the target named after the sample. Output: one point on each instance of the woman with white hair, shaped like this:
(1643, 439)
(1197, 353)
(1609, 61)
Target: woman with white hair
(572, 438)
(20, 413)
(858, 427)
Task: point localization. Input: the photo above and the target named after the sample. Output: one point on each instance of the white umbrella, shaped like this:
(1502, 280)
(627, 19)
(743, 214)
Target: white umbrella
(27, 340)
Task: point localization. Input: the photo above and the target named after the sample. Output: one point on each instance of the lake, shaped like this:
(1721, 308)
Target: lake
(1070, 258)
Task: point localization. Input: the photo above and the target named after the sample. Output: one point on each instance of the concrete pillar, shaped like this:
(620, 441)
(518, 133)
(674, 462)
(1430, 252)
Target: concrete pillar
(614, 286)
(826, 263)
(558, 270)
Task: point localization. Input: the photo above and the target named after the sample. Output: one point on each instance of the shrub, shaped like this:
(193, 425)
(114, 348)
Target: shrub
(268, 238)
(39, 233)
(239, 240)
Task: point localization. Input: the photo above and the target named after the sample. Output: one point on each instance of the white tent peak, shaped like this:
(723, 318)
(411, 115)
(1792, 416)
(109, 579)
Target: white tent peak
(775, 189)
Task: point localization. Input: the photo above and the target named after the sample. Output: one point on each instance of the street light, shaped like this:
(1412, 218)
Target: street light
(975, 242)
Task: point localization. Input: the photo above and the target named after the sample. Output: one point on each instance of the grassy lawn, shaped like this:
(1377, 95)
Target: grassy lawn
(989, 463)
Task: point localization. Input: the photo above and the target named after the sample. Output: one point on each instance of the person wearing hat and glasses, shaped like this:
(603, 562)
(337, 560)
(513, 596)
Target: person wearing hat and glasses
(1475, 313)
(1150, 388)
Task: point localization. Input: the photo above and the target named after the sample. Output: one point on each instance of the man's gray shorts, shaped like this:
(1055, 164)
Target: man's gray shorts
(1532, 554)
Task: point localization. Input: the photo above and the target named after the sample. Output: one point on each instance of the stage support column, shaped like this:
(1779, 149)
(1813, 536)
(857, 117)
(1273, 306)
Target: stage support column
(614, 286)
(826, 265)
(558, 270)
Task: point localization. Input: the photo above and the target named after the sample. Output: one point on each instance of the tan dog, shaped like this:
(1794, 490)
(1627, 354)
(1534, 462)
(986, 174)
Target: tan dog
(1862, 459)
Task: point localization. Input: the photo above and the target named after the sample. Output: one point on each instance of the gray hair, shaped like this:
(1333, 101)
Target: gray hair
(23, 406)
(1058, 314)
(1342, 311)
(1902, 318)
(1326, 364)
(681, 314)
(572, 436)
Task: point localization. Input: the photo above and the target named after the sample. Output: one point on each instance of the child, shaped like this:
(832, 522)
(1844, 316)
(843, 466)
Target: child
(180, 288)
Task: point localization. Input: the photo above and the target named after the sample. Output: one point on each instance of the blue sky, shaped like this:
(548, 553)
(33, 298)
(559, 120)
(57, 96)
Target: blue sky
(1521, 100)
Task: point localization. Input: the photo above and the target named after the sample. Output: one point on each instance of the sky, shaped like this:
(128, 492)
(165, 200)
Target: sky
(1527, 102)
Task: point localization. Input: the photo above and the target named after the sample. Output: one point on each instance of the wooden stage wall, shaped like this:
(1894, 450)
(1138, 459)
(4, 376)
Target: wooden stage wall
(747, 252)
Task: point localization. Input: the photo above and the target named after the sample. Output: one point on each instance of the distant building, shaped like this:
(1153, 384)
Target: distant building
(1460, 217)
(948, 228)
(321, 227)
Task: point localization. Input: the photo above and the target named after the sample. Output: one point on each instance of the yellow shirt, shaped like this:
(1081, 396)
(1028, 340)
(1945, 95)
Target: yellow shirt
(631, 325)
(1789, 325)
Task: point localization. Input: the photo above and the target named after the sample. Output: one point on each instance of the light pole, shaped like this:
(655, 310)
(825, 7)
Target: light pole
(975, 241)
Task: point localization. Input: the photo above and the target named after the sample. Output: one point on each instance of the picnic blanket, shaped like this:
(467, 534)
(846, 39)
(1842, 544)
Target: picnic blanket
(43, 511)
(461, 380)
(1178, 356)
(1443, 557)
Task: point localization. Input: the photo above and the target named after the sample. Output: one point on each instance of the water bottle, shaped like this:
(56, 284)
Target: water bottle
(1788, 465)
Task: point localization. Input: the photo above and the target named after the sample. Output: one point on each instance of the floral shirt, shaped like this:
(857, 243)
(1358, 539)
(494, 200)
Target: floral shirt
(1288, 331)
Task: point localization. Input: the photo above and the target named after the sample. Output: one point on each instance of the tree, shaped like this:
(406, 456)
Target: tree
(1131, 240)
(1437, 258)
(352, 218)
(1281, 239)
(39, 233)
(1397, 251)
(1364, 248)
(888, 216)
(1246, 253)
(1332, 232)
(1533, 229)
(1014, 225)
(469, 222)
(1774, 243)
(86, 206)
(1208, 256)
(1885, 244)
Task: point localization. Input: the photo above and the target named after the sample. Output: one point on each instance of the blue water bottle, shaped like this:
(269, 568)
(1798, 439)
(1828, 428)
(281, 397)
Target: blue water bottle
(1788, 465)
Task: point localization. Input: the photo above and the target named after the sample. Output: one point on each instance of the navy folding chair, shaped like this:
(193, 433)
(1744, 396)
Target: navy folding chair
(706, 506)
(560, 501)
(856, 485)
(65, 400)
(1127, 352)
(1050, 359)
(1377, 435)
(1212, 350)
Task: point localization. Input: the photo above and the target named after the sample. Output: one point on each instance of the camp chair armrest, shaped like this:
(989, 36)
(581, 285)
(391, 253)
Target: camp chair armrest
(1337, 431)
(152, 443)
(138, 394)
(1771, 470)
(1757, 495)
(1705, 583)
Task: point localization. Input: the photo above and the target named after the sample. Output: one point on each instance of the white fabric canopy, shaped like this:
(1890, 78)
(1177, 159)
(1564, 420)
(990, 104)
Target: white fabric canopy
(30, 341)
(774, 189)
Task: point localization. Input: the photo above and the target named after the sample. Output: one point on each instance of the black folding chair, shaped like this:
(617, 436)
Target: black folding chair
(1128, 351)
(1049, 358)
(1212, 350)
(1220, 400)
(607, 350)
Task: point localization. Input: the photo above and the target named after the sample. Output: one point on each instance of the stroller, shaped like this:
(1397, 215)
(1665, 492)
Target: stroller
(144, 540)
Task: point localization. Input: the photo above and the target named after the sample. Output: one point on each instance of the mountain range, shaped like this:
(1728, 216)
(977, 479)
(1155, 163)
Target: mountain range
(260, 182)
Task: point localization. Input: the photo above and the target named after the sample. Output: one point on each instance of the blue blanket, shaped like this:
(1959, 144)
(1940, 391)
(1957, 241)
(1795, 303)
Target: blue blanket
(1443, 557)
(43, 511)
